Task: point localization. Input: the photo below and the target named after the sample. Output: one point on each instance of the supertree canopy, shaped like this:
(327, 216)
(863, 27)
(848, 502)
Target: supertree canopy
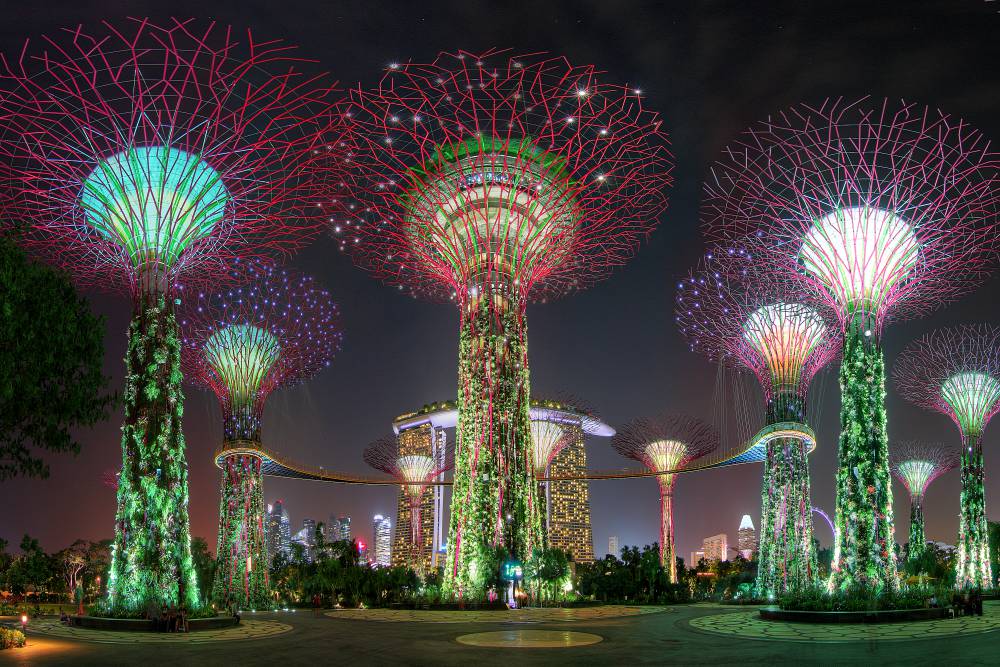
(277, 329)
(880, 210)
(414, 472)
(733, 310)
(139, 156)
(956, 371)
(917, 464)
(490, 180)
(666, 444)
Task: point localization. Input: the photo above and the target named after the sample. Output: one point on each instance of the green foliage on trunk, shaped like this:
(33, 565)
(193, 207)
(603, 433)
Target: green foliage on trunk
(864, 554)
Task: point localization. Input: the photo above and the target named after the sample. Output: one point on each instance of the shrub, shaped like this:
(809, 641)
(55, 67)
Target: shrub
(11, 638)
(857, 599)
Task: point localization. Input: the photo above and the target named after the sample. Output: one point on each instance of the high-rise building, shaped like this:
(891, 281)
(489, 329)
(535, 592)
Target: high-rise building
(568, 501)
(613, 546)
(345, 528)
(716, 547)
(381, 540)
(332, 527)
(309, 526)
(696, 557)
(277, 531)
(301, 538)
(423, 440)
(746, 537)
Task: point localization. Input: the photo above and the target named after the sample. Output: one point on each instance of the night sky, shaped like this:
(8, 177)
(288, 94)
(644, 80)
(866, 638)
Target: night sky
(710, 69)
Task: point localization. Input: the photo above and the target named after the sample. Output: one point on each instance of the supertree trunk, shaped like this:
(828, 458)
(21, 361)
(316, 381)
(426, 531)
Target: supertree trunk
(787, 560)
(151, 557)
(668, 557)
(241, 576)
(494, 493)
(863, 553)
(242, 422)
(918, 540)
(973, 569)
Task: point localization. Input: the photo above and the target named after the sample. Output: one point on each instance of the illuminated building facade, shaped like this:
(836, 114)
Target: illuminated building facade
(568, 502)
(381, 541)
(746, 537)
(716, 547)
(423, 440)
(613, 546)
(278, 534)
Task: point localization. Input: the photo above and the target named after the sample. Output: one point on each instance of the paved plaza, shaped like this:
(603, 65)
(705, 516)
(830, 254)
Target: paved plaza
(686, 634)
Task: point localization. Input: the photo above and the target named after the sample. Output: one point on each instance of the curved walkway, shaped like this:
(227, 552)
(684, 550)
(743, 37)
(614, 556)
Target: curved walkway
(749, 625)
(526, 615)
(247, 629)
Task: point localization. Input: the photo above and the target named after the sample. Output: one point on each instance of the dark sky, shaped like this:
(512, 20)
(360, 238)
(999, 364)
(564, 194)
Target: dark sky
(710, 69)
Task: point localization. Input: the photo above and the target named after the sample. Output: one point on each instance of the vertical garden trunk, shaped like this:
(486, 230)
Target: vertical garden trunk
(494, 501)
(151, 557)
(786, 558)
(241, 576)
(918, 541)
(864, 551)
(668, 557)
(973, 569)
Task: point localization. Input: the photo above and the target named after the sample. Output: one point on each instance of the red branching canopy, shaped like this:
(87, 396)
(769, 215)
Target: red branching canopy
(738, 311)
(955, 371)
(499, 168)
(184, 135)
(414, 472)
(666, 443)
(916, 464)
(882, 208)
(276, 329)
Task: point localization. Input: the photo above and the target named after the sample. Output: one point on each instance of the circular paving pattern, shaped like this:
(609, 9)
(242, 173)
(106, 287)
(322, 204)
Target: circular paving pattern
(529, 639)
(748, 625)
(526, 615)
(245, 630)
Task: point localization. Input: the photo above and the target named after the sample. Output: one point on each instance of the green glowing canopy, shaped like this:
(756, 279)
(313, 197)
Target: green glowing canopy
(242, 356)
(154, 201)
(860, 254)
(917, 475)
(971, 395)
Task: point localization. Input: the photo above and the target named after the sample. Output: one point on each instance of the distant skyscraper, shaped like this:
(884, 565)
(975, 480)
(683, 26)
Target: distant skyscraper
(613, 546)
(277, 531)
(746, 537)
(381, 540)
(716, 547)
(696, 557)
(345, 528)
(332, 529)
(302, 538)
(309, 526)
(568, 502)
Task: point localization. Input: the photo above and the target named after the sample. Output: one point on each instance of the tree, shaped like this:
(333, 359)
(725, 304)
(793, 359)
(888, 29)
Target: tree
(50, 364)
(73, 560)
(204, 566)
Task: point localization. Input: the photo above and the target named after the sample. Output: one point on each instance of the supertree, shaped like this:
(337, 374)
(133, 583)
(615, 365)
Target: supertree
(916, 464)
(666, 445)
(276, 330)
(414, 472)
(140, 156)
(956, 371)
(880, 210)
(491, 180)
(732, 311)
